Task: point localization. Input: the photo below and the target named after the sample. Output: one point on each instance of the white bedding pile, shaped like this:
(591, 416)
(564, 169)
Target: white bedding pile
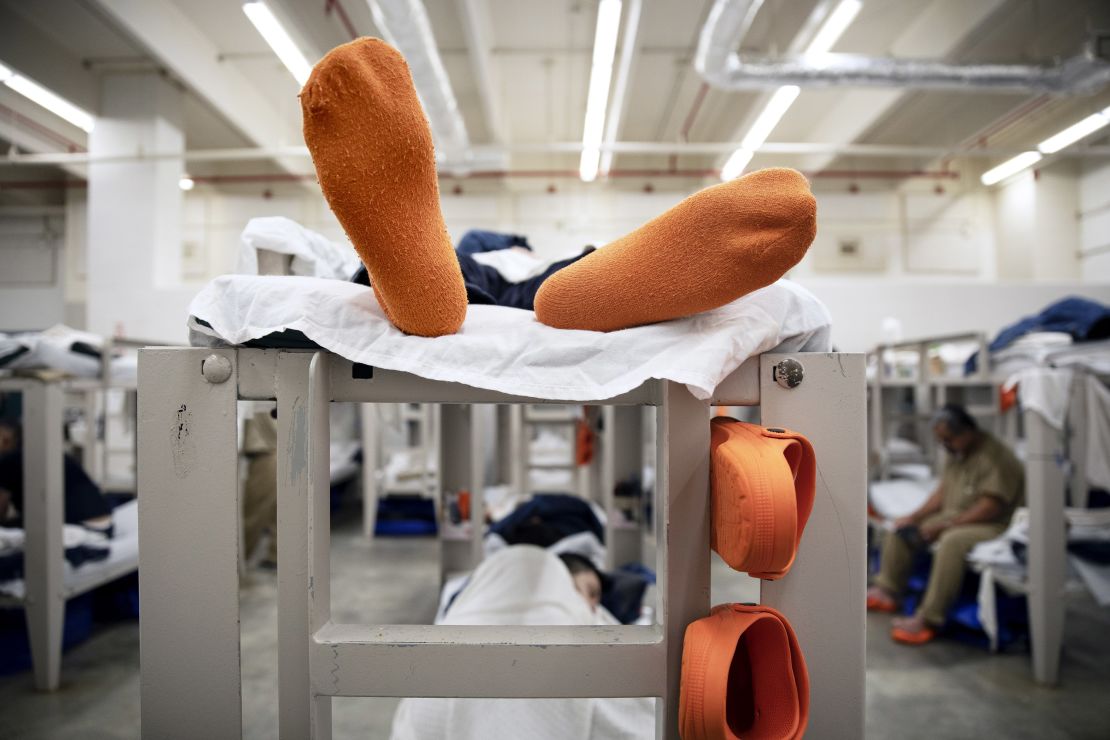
(507, 349)
(523, 585)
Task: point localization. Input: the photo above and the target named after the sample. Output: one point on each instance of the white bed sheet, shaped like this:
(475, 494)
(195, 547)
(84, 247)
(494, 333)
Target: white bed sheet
(123, 557)
(508, 350)
(524, 585)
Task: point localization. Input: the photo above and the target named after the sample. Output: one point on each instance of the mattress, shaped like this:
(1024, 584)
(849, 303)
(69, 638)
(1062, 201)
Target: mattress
(123, 557)
(508, 350)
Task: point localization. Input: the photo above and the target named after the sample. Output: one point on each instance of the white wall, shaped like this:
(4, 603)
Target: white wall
(932, 307)
(32, 284)
(1036, 226)
(1094, 221)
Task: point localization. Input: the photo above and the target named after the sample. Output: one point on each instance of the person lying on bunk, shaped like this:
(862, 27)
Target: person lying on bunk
(373, 153)
(524, 585)
(983, 482)
(84, 503)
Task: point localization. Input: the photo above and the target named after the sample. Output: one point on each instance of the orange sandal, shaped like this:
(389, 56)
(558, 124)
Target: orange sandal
(743, 675)
(920, 637)
(762, 483)
(881, 604)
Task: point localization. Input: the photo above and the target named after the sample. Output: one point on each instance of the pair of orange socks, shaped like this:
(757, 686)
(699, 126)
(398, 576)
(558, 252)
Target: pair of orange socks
(743, 676)
(373, 152)
(762, 483)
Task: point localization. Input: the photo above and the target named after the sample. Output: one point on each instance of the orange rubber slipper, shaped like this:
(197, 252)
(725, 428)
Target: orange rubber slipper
(743, 675)
(762, 484)
(881, 604)
(906, 637)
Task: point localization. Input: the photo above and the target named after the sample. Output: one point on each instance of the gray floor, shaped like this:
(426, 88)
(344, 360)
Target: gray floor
(942, 690)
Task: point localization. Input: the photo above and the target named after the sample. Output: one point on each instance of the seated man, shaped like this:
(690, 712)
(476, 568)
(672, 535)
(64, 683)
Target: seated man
(981, 486)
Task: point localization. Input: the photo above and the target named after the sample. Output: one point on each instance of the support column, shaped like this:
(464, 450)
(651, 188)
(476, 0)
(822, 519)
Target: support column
(44, 516)
(823, 594)
(134, 211)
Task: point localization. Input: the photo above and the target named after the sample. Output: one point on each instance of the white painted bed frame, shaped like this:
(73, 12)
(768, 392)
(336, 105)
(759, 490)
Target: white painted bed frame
(191, 683)
(46, 592)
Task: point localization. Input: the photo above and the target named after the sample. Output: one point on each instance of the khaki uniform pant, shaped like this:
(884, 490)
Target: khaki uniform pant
(260, 490)
(947, 573)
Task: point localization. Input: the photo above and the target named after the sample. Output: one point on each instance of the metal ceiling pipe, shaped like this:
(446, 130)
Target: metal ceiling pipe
(405, 25)
(724, 68)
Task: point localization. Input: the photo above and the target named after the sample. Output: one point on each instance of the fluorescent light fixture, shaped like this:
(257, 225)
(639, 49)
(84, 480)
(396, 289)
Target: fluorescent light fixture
(736, 163)
(620, 87)
(827, 35)
(270, 28)
(601, 72)
(777, 106)
(56, 104)
(1074, 133)
(1010, 167)
(186, 183)
(834, 27)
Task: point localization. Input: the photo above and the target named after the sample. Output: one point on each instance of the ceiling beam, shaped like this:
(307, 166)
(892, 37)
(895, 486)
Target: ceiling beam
(936, 32)
(479, 41)
(170, 36)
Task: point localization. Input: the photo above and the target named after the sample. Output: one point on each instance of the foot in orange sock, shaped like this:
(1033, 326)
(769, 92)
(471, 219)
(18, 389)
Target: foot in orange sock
(717, 245)
(373, 152)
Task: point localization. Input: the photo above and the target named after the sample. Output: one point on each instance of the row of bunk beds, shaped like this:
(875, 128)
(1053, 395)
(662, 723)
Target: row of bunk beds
(1043, 393)
(70, 396)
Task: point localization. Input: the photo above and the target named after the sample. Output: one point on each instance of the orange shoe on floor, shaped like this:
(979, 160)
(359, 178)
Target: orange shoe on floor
(881, 604)
(907, 637)
(743, 675)
(762, 484)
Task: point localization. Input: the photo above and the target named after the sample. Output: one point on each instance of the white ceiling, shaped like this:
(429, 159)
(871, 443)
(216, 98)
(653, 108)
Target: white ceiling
(540, 59)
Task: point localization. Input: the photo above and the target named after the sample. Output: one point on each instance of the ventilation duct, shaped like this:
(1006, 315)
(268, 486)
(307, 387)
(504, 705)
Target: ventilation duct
(405, 25)
(729, 21)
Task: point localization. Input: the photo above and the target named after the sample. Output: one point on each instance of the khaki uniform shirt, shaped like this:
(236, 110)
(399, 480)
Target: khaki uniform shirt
(990, 469)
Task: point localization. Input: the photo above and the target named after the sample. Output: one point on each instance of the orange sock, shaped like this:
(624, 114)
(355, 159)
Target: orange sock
(374, 158)
(717, 245)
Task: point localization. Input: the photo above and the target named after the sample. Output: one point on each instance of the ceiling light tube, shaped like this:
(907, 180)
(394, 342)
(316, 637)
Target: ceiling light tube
(1010, 167)
(834, 27)
(1074, 133)
(52, 102)
(827, 35)
(620, 87)
(601, 72)
(270, 28)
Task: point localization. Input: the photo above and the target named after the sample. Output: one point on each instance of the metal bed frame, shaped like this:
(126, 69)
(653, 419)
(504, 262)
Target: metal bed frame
(190, 679)
(46, 592)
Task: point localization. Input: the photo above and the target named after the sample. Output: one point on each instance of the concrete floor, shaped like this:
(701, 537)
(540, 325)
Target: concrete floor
(942, 690)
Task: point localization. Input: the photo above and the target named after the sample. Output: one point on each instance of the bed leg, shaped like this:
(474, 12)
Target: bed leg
(303, 539)
(189, 538)
(461, 467)
(1047, 548)
(44, 574)
(622, 452)
(823, 595)
(371, 462)
(682, 532)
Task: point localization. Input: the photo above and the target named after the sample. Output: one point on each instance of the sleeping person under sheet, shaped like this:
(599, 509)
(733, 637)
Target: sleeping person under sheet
(524, 585)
